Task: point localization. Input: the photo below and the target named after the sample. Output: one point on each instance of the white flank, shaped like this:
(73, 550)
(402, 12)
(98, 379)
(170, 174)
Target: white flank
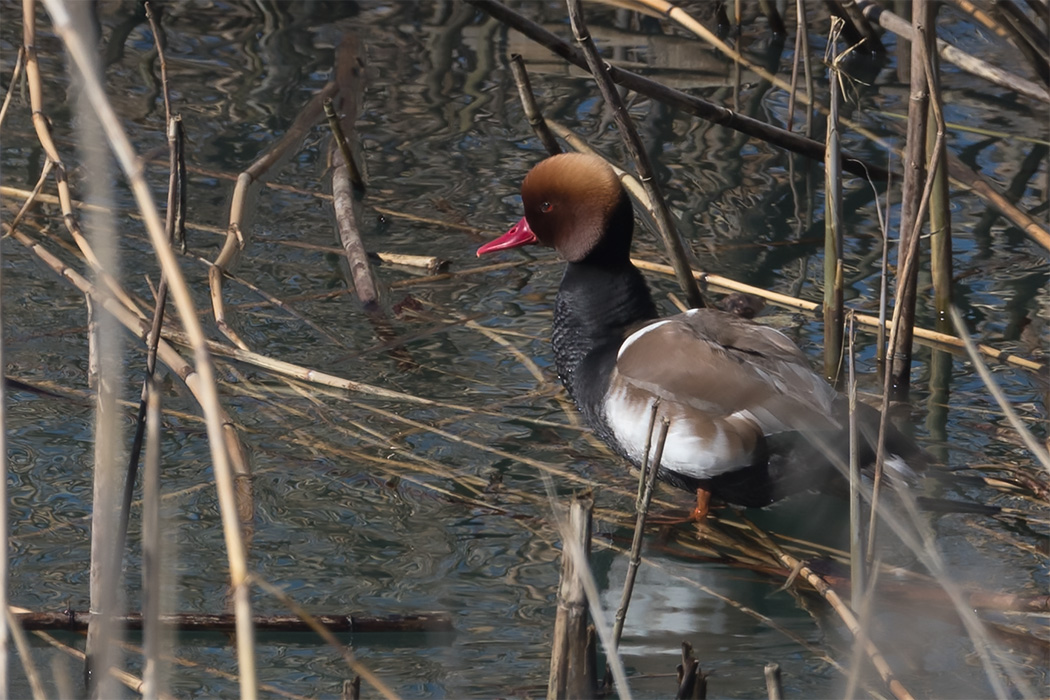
(897, 464)
(684, 451)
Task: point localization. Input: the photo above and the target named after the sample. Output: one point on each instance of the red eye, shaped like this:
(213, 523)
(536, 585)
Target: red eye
(546, 207)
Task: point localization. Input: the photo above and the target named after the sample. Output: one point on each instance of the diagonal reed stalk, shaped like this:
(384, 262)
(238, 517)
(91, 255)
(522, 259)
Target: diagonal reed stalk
(633, 144)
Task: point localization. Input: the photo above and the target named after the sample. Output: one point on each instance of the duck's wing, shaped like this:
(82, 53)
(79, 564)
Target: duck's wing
(723, 366)
(724, 383)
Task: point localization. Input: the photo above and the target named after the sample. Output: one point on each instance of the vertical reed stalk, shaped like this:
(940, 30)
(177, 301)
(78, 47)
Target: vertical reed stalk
(102, 650)
(801, 56)
(940, 262)
(884, 277)
(152, 556)
(833, 315)
(174, 219)
(940, 210)
(914, 177)
(856, 498)
(568, 677)
(81, 53)
(5, 560)
(903, 50)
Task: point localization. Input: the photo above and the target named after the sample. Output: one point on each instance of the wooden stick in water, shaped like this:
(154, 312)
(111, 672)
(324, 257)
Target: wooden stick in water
(568, 677)
(532, 110)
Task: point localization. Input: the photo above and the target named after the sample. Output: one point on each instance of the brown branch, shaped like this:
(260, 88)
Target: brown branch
(350, 623)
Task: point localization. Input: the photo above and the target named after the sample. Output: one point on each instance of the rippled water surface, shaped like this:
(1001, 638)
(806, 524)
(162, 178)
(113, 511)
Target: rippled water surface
(384, 507)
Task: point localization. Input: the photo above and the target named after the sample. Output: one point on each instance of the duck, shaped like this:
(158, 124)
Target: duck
(749, 421)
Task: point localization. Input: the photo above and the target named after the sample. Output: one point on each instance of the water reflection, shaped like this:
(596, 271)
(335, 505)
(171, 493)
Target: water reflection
(361, 511)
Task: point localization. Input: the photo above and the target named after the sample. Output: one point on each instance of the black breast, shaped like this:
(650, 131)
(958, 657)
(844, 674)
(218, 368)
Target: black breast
(596, 306)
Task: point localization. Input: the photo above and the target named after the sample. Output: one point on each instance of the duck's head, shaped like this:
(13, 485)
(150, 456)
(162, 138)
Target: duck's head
(575, 204)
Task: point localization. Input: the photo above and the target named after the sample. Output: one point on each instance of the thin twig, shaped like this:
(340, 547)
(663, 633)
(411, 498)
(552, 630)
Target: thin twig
(16, 73)
(633, 144)
(1030, 441)
(649, 474)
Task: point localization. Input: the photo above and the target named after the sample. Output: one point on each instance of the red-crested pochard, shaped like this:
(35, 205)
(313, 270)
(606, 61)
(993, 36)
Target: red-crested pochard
(750, 422)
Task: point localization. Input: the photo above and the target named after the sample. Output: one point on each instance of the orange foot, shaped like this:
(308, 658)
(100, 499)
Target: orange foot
(696, 515)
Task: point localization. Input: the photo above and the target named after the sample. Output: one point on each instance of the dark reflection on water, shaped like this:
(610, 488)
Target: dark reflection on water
(358, 512)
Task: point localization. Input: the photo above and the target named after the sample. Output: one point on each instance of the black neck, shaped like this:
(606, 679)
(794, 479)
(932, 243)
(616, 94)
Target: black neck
(596, 305)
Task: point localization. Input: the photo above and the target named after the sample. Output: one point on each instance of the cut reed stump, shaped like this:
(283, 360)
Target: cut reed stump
(692, 683)
(570, 673)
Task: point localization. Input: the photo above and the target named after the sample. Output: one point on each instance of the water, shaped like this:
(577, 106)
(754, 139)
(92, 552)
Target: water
(359, 511)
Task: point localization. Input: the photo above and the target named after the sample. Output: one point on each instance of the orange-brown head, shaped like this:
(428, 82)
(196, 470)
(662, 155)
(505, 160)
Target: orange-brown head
(575, 204)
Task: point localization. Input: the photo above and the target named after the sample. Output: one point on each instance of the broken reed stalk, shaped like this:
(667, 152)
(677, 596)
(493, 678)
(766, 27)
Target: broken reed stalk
(353, 171)
(774, 684)
(633, 144)
(911, 202)
(869, 37)
(82, 54)
(833, 235)
(568, 677)
(692, 683)
(531, 109)
(16, 73)
(962, 60)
